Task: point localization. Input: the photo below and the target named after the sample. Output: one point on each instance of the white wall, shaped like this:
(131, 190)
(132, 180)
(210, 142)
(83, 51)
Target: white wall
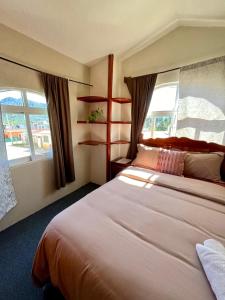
(34, 181)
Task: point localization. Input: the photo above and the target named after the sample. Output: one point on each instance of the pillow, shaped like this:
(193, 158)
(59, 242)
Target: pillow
(147, 157)
(204, 165)
(171, 162)
(162, 160)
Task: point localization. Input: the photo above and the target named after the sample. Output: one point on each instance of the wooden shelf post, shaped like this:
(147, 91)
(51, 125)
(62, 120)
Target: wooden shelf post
(109, 115)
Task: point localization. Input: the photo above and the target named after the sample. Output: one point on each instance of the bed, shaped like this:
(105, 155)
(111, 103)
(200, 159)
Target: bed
(134, 237)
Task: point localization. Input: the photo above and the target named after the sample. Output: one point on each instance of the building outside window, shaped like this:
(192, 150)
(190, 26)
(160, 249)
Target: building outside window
(26, 125)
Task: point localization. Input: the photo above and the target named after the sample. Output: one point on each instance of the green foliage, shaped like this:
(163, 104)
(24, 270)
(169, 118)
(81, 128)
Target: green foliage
(161, 123)
(95, 115)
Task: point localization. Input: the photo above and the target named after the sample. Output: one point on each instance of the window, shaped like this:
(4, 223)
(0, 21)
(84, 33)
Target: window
(26, 125)
(162, 114)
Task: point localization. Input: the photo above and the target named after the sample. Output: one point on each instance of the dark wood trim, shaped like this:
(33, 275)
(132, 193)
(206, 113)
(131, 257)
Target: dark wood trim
(92, 143)
(116, 167)
(95, 143)
(121, 122)
(121, 100)
(92, 99)
(109, 114)
(104, 122)
(186, 144)
(119, 142)
(87, 122)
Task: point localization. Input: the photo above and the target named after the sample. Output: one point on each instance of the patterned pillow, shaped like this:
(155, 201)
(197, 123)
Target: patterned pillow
(171, 162)
(162, 160)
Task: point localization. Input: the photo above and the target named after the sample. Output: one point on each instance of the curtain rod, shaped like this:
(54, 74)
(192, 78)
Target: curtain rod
(37, 70)
(170, 70)
(186, 66)
(178, 68)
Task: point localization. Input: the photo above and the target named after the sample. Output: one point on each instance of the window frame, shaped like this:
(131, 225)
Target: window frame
(27, 111)
(166, 113)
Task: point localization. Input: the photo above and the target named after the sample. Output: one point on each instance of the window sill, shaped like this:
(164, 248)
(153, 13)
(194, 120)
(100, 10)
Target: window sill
(27, 160)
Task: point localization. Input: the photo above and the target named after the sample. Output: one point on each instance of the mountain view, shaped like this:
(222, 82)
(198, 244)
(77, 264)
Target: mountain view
(19, 101)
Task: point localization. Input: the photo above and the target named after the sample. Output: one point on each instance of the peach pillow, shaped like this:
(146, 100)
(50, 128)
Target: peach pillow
(147, 157)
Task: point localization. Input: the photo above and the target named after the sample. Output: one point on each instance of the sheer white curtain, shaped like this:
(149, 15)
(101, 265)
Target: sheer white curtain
(7, 193)
(201, 103)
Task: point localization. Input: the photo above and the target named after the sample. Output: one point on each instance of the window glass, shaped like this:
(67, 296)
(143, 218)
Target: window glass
(164, 98)
(11, 98)
(16, 137)
(161, 117)
(36, 100)
(41, 134)
(26, 125)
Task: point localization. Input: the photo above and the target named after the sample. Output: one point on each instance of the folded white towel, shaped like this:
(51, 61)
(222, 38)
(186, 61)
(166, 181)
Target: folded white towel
(212, 257)
(214, 245)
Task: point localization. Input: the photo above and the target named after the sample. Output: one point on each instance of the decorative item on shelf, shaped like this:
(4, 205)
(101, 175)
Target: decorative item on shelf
(95, 115)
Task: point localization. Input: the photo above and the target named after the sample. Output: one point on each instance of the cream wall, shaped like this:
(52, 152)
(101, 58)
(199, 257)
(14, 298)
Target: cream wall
(183, 46)
(34, 181)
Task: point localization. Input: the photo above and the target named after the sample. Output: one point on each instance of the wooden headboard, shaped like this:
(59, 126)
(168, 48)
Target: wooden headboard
(186, 144)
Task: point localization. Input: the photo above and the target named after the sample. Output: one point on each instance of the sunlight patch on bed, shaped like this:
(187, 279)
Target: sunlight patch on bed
(135, 182)
(138, 173)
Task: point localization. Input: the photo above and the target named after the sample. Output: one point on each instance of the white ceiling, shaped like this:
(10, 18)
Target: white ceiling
(89, 29)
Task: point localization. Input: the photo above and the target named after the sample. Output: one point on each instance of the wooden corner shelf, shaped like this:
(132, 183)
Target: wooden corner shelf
(121, 100)
(120, 142)
(110, 101)
(92, 99)
(121, 122)
(92, 143)
(87, 122)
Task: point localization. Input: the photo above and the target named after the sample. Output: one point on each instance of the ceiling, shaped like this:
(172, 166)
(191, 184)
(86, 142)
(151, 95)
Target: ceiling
(89, 29)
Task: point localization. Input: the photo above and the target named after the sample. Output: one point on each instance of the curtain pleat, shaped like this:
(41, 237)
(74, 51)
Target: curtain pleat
(57, 96)
(141, 89)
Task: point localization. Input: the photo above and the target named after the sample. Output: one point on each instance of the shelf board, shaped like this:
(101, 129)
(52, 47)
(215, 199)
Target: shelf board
(92, 143)
(121, 100)
(120, 142)
(87, 122)
(121, 122)
(104, 122)
(96, 143)
(92, 99)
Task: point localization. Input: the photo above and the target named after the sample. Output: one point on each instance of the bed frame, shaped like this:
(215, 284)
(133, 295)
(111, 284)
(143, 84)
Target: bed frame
(186, 144)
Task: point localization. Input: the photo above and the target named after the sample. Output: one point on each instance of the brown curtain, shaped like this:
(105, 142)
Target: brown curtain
(57, 95)
(141, 89)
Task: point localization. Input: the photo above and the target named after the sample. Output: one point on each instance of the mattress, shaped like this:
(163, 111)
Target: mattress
(134, 239)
